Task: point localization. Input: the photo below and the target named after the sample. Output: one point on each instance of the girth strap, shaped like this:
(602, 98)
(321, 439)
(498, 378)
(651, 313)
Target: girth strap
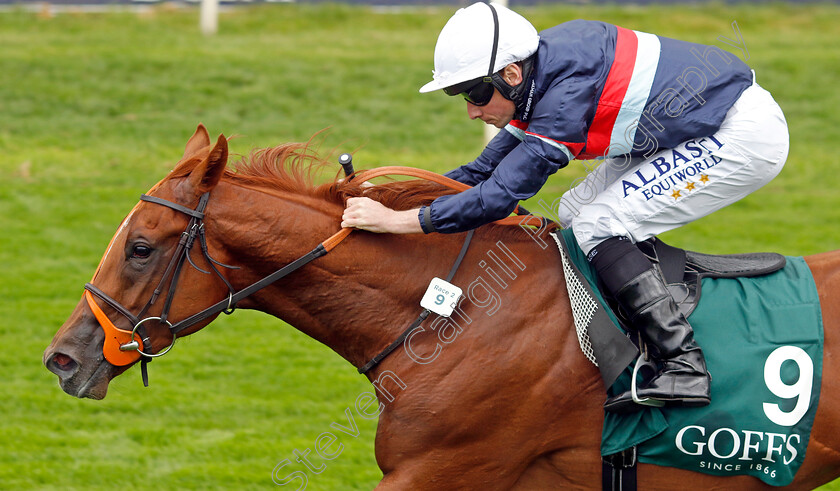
(618, 471)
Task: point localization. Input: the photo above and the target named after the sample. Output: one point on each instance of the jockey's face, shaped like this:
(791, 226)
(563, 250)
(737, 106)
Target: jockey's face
(498, 112)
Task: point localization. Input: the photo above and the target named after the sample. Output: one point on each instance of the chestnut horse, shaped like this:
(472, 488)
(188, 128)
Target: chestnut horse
(499, 398)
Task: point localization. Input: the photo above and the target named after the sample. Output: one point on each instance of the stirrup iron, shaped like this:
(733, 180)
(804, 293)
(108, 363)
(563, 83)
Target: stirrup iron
(647, 401)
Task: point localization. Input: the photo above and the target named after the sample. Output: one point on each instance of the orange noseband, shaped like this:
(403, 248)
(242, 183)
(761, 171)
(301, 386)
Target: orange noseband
(114, 337)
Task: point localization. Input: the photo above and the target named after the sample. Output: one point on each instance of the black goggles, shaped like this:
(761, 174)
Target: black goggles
(477, 92)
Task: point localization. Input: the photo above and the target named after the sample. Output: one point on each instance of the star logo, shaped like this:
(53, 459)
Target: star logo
(704, 178)
(689, 186)
(676, 194)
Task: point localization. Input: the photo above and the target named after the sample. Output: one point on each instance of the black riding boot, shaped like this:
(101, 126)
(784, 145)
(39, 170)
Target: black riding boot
(682, 379)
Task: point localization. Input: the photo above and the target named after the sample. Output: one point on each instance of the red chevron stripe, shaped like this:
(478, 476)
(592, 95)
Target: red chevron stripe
(600, 131)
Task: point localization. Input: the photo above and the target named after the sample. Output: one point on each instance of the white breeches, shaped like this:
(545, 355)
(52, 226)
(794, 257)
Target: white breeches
(643, 197)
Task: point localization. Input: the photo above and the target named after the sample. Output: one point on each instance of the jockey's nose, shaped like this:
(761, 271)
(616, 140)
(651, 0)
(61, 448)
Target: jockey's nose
(473, 111)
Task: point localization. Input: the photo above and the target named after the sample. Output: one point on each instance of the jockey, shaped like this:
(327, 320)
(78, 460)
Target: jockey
(682, 130)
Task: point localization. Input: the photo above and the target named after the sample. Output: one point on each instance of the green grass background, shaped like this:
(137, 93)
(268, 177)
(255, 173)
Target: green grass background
(95, 108)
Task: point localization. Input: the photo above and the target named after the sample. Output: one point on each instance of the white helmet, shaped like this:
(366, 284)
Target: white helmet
(464, 46)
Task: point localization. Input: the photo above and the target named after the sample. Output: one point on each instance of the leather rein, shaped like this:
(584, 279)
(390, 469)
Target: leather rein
(121, 348)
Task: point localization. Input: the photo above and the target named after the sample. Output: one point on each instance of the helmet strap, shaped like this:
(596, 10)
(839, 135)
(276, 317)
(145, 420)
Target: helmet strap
(521, 92)
(516, 93)
(495, 39)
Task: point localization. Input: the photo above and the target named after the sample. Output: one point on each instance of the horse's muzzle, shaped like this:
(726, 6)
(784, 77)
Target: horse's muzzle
(76, 378)
(60, 364)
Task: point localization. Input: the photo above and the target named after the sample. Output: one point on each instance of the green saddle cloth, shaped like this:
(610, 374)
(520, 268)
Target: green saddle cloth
(763, 342)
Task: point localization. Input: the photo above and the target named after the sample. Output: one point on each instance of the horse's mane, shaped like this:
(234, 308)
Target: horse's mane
(296, 167)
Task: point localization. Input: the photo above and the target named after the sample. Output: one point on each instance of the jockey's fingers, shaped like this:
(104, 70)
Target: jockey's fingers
(357, 201)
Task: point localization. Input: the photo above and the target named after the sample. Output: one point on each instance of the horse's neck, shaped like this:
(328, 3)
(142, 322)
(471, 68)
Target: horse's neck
(354, 298)
(361, 296)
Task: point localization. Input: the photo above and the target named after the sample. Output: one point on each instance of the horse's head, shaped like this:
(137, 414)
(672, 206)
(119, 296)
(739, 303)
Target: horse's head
(144, 279)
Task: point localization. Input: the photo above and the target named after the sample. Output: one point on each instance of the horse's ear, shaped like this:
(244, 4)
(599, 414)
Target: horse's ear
(199, 140)
(207, 174)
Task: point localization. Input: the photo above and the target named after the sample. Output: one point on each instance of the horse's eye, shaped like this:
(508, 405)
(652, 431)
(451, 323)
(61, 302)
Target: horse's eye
(141, 251)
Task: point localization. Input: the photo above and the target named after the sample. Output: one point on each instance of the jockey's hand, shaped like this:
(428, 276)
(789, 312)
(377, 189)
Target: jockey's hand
(367, 214)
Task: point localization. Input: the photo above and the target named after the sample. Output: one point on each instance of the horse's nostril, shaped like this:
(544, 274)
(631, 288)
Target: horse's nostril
(63, 362)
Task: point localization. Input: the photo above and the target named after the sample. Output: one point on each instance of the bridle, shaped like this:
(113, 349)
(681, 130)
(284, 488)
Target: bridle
(121, 348)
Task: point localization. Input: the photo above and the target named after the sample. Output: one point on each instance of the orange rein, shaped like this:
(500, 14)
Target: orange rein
(396, 170)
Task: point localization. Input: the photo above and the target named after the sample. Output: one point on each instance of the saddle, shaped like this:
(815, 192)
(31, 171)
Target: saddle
(683, 270)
